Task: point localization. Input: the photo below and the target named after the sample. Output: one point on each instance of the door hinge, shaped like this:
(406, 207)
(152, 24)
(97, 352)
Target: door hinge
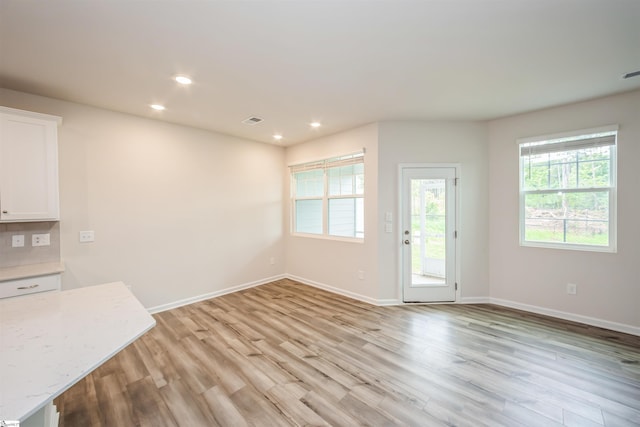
(455, 181)
(455, 234)
(456, 286)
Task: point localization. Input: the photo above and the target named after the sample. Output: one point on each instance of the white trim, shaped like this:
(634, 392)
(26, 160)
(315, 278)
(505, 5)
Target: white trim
(215, 294)
(474, 300)
(335, 290)
(388, 302)
(32, 114)
(614, 326)
(328, 237)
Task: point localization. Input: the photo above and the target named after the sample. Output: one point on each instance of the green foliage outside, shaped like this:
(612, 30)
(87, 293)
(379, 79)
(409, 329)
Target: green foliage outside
(586, 168)
(434, 219)
(557, 236)
(577, 212)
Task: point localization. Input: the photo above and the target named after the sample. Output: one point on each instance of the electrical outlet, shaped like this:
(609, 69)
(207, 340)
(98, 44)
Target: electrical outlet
(272, 260)
(86, 236)
(572, 288)
(17, 241)
(40, 239)
(360, 274)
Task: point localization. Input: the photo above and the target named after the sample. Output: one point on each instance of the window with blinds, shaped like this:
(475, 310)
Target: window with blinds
(568, 190)
(328, 197)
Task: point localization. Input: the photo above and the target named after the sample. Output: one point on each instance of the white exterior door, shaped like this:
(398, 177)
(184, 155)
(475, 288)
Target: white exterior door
(429, 233)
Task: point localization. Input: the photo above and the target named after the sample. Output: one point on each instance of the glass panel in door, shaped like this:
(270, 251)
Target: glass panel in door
(428, 232)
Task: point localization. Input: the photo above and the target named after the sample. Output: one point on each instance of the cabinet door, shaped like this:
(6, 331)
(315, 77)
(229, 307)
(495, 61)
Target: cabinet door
(28, 169)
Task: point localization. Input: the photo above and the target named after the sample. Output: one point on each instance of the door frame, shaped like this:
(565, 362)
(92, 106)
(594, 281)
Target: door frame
(399, 228)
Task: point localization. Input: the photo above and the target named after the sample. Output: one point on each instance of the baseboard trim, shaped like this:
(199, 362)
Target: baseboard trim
(335, 290)
(474, 300)
(198, 298)
(614, 326)
(388, 302)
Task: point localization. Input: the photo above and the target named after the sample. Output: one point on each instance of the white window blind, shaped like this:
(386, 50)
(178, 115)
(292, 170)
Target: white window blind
(532, 149)
(349, 159)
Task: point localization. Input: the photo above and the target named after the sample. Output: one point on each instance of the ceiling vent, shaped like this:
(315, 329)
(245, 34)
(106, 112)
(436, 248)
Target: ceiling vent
(252, 121)
(632, 74)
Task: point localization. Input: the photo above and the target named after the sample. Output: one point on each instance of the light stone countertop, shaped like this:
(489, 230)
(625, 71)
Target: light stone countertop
(31, 270)
(49, 341)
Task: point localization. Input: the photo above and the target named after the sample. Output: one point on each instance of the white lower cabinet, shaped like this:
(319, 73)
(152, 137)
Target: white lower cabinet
(31, 285)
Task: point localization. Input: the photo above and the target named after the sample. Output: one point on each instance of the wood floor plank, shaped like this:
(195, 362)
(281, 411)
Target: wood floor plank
(223, 409)
(150, 409)
(115, 404)
(80, 405)
(288, 398)
(328, 409)
(257, 409)
(186, 407)
(286, 354)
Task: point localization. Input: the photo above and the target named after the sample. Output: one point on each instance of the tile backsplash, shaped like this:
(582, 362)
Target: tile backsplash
(28, 254)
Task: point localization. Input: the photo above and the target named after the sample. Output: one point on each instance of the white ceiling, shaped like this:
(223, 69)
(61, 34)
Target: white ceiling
(345, 63)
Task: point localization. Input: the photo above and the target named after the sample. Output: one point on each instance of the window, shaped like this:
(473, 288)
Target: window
(568, 190)
(328, 197)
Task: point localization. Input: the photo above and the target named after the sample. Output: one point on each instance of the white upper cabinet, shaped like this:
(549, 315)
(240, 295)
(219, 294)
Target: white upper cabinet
(28, 166)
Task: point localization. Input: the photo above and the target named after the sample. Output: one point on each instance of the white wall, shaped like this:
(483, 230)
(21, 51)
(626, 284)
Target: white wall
(608, 284)
(437, 142)
(177, 212)
(331, 263)
(180, 212)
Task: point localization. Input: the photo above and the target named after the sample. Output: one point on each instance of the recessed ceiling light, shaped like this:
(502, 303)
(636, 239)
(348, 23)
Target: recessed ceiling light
(277, 137)
(183, 80)
(315, 124)
(157, 107)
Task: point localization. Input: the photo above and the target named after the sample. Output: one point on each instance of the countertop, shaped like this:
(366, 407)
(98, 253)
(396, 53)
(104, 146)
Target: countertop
(31, 270)
(49, 341)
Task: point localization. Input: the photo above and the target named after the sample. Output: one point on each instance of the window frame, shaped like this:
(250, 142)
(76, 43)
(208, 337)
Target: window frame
(564, 138)
(325, 165)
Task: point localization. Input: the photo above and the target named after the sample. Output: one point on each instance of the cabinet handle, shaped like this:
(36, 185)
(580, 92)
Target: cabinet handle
(28, 287)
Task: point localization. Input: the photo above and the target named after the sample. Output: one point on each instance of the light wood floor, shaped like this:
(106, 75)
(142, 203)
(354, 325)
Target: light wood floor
(287, 354)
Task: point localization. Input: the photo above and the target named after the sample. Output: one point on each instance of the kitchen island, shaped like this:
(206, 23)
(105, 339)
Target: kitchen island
(50, 341)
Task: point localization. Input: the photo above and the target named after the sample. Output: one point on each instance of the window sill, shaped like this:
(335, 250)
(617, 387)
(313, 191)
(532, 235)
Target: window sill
(330, 238)
(570, 247)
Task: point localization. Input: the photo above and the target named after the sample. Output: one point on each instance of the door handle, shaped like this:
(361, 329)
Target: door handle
(406, 242)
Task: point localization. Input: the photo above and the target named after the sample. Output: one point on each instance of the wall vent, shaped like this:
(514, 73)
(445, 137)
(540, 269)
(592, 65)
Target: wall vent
(252, 121)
